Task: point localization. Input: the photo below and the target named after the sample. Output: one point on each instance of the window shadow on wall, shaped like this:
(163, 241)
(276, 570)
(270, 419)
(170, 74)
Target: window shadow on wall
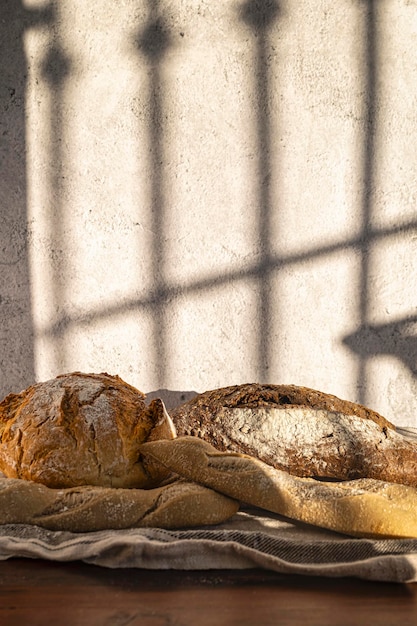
(370, 44)
(17, 368)
(260, 16)
(398, 338)
(369, 341)
(153, 41)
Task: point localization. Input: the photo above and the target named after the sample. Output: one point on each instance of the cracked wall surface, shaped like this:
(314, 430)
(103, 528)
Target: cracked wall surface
(196, 194)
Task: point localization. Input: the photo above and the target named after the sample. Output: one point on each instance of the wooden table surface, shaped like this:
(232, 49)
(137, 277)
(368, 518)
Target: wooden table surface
(44, 593)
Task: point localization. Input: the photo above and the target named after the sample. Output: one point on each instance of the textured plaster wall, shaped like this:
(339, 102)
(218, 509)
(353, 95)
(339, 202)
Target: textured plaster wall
(202, 193)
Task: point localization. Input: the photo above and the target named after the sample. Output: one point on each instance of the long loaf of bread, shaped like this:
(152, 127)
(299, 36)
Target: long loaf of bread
(362, 508)
(300, 430)
(83, 509)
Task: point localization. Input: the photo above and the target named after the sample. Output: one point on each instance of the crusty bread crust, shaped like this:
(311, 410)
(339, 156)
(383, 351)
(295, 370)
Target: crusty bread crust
(362, 508)
(84, 509)
(80, 429)
(300, 430)
(201, 408)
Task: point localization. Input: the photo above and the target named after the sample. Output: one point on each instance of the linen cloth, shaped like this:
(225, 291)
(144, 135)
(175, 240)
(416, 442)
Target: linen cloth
(250, 539)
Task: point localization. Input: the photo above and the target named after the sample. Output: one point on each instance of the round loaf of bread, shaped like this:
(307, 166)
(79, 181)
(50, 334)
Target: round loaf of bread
(300, 430)
(81, 429)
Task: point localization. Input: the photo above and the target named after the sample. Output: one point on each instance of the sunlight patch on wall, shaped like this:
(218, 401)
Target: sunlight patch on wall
(214, 336)
(317, 301)
(120, 344)
(394, 274)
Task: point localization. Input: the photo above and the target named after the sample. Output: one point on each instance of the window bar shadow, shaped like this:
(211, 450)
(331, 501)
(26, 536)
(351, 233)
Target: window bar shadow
(260, 16)
(17, 351)
(153, 43)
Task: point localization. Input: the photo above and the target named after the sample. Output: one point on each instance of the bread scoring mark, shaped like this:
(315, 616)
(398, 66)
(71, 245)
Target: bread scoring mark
(160, 499)
(67, 500)
(16, 462)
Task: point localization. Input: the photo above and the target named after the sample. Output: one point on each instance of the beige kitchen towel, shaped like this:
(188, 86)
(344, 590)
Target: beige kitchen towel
(250, 539)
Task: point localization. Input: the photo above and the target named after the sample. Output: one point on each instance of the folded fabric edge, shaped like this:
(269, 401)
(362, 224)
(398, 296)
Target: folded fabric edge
(195, 550)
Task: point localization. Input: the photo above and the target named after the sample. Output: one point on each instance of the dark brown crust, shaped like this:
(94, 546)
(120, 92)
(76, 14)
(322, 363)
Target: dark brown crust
(192, 414)
(205, 416)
